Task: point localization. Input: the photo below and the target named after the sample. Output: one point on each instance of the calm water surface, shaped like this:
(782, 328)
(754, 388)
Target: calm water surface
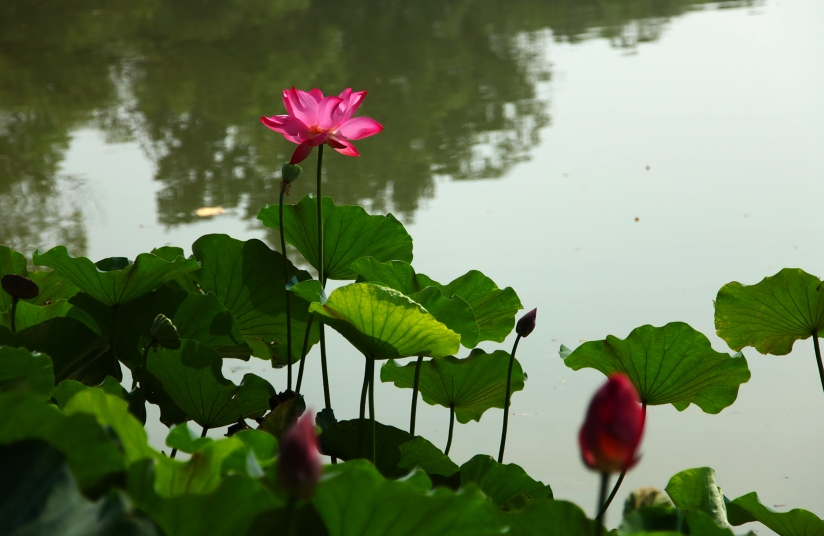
(616, 163)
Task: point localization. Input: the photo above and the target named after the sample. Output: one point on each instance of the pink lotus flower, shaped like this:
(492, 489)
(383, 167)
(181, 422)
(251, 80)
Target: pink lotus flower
(299, 466)
(314, 119)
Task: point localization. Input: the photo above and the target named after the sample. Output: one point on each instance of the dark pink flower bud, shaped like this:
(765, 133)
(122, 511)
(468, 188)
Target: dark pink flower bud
(299, 466)
(613, 427)
(527, 323)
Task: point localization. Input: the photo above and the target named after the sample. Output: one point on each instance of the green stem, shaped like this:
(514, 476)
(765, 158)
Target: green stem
(415, 395)
(321, 277)
(14, 301)
(372, 405)
(288, 294)
(364, 391)
(303, 352)
(173, 454)
(451, 427)
(621, 476)
(603, 493)
(506, 399)
(138, 374)
(818, 358)
(203, 433)
(290, 516)
(114, 336)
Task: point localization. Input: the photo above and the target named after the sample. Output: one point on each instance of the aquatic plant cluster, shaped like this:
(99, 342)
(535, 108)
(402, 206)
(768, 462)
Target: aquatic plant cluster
(75, 453)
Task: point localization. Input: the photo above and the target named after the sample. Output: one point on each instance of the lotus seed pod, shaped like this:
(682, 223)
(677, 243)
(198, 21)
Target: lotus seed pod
(165, 333)
(20, 287)
(290, 172)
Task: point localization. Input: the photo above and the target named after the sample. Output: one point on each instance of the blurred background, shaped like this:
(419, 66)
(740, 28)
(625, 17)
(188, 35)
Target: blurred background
(615, 161)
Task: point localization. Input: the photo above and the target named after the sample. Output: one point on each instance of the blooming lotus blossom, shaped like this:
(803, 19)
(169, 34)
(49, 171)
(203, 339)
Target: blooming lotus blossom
(613, 427)
(313, 119)
(299, 465)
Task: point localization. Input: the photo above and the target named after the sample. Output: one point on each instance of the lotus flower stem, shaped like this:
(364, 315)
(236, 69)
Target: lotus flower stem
(603, 493)
(364, 392)
(620, 478)
(326, 397)
(506, 399)
(818, 358)
(372, 405)
(451, 428)
(303, 353)
(283, 188)
(14, 301)
(415, 395)
(173, 454)
(203, 433)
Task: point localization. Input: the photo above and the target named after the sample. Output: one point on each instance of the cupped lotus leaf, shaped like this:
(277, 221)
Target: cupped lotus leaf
(111, 411)
(40, 496)
(395, 508)
(673, 364)
(180, 437)
(502, 482)
(548, 518)
(397, 452)
(796, 522)
(193, 379)
(247, 278)
(77, 353)
(455, 313)
(230, 509)
(11, 262)
(90, 452)
(115, 287)
(28, 315)
(696, 489)
(663, 521)
(384, 324)
(772, 314)
(349, 233)
(22, 372)
(471, 385)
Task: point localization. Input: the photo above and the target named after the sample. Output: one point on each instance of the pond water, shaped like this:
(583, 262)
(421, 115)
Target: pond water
(616, 162)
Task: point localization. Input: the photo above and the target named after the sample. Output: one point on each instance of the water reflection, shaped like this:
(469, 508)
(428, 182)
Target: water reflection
(452, 81)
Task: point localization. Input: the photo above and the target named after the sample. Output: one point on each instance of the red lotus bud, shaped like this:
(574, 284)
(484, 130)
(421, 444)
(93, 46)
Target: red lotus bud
(299, 466)
(613, 427)
(527, 323)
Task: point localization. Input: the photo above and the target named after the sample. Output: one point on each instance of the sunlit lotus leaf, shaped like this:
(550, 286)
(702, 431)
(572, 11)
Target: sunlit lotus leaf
(247, 278)
(230, 509)
(24, 372)
(796, 522)
(673, 364)
(310, 290)
(76, 352)
(115, 287)
(696, 489)
(47, 500)
(349, 233)
(770, 315)
(11, 262)
(502, 483)
(384, 324)
(471, 385)
(395, 508)
(192, 378)
(397, 452)
(90, 452)
(28, 315)
(455, 313)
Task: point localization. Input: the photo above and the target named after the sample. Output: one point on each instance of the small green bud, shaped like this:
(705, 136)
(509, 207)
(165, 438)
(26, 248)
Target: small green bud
(165, 333)
(290, 173)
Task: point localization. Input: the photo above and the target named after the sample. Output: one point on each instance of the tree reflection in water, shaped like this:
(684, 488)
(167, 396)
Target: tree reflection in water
(452, 81)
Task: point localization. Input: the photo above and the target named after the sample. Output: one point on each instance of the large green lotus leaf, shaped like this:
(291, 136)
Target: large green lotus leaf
(397, 452)
(192, 377)
(22, 372)
(664, 521)
(115, 287)
(112, 411)
(548, 518)
(53, 286)
(495, 309)
(11, 262)
(353, 499)
(230, 509)
(65, 390)
(77, 352)
(40, 497)
(349, 233)
(696, 489)
(455, 313)
(247, 278)
(796, 522)
(502, 482)
(471, 385)
(90, 452)
(770, 315)
(673, 364)
(28, 315)
(384, 324)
